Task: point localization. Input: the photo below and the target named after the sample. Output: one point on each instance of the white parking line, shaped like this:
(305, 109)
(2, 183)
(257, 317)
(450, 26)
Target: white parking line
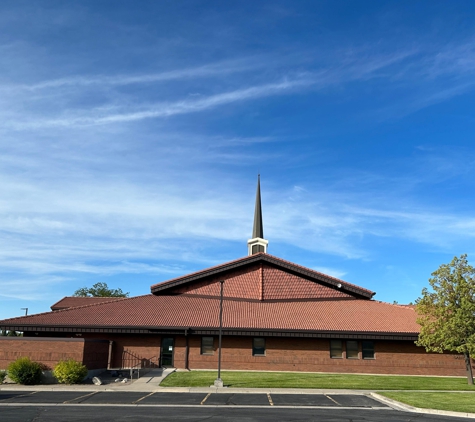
(270, 399)
(206, 398)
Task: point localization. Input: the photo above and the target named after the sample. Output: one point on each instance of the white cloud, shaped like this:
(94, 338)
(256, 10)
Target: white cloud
(103, 115)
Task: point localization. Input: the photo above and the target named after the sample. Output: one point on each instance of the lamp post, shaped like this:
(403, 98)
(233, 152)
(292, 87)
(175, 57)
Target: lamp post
(25, 309)
(218, 382)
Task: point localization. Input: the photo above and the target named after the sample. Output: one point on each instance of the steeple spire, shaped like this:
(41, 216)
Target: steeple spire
(258, 229)
(257, 243)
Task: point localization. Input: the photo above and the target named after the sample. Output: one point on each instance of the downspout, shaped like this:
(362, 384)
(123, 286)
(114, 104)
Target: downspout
(187, 349)
(109, 359)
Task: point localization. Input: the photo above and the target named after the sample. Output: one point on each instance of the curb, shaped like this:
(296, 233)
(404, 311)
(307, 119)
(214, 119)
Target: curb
(407, 408)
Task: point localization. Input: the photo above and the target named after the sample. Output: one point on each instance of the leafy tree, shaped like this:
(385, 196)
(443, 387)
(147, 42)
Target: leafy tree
(6, 333)
(100, 290)
(447, 313)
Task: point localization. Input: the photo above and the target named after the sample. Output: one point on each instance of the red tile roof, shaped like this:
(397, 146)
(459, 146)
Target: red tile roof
(260, 281)
(246, 282)
(73, 301)
(185, 311)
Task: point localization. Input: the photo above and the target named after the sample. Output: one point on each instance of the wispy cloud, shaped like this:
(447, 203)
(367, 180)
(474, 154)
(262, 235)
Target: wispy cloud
(99, 117)
(205, 71)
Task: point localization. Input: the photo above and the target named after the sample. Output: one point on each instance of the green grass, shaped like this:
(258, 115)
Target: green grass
(457, 402)
(311, 380)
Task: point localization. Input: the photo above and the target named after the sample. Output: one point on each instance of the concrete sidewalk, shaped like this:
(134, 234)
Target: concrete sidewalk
(149, 382)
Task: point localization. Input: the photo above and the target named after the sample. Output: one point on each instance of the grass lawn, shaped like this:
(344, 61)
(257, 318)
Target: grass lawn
(457, 402)
(306, 380)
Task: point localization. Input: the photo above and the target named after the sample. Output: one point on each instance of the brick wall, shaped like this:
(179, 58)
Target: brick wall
(282, 354)
(96, 354)
(313, 355)
(49, 351)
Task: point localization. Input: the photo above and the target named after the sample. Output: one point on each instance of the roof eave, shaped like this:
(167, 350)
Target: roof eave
(329, 334)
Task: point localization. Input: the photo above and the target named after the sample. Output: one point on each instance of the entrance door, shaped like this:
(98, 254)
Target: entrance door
(166, 353)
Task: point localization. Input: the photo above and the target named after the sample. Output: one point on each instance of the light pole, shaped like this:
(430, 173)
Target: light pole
(218, 382)
(25, 309)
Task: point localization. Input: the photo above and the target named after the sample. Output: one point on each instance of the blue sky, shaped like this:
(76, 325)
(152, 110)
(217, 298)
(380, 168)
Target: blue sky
(132, 134)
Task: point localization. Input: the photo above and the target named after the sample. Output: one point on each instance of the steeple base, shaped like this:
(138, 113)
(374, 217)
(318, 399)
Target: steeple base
(256, 245)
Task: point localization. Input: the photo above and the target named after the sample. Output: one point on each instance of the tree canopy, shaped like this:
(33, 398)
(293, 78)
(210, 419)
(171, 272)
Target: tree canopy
(100, 290)
(447, 312)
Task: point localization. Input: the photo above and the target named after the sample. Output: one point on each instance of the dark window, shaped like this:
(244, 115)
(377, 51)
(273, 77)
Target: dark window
(207, 345)
(368, 349)
(336, 349)
(352, 349)
(257, 248)
(258, 346)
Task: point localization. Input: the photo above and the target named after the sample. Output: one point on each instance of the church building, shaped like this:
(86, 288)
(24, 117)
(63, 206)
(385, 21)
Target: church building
(272, 314)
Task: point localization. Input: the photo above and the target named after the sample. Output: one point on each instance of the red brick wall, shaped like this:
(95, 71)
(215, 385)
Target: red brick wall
(49, 351)
(282, 354)
(129, 349)
(96, 354)
(313, 355)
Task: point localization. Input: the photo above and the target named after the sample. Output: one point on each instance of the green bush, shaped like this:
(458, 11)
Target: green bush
(3, 374)
(24, 371)
(69, 372)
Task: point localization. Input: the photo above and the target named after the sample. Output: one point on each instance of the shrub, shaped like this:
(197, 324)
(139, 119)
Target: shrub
(24, 371)
(69, 372)
(3, 374)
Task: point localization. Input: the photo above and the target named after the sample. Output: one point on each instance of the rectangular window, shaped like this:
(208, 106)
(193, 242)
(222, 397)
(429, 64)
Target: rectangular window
(258, 346)
(351, 349)
(368, 349)
(336, 349)
(207, 345)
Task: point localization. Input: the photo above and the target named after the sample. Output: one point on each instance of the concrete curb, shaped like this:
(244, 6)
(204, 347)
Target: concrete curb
(407, 408)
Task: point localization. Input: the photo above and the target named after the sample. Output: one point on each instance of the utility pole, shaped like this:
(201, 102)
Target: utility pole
(218, 382)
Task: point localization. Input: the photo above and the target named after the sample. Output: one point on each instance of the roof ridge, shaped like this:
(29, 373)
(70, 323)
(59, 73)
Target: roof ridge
(396, 304)
(194, 273)
(320, 273)
(76, 307)
(88, 297)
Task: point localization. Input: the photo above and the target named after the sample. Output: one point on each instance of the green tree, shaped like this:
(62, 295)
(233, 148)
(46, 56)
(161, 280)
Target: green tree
(100, 290)
(6, 333)
(447, 313)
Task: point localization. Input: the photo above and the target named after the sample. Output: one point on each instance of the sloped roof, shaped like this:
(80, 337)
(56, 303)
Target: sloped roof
(190, 311)
(282, 270)
(73, 301)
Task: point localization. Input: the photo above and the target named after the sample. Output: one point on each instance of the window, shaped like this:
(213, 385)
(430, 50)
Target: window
(257, 249)
(207, 345)
(351, 349)
(258, 346)
(336, 349)
(368, 349)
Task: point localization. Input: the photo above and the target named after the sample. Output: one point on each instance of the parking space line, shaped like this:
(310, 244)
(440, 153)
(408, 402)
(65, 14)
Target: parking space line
(80, 397)
(144, 397)
(203, 401)
(270, 399)
(333, 400)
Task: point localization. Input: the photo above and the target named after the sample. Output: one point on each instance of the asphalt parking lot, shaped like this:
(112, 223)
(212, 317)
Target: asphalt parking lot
(189, 399)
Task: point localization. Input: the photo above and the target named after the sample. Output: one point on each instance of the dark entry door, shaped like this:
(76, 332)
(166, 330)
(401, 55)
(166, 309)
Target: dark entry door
(166, 354)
